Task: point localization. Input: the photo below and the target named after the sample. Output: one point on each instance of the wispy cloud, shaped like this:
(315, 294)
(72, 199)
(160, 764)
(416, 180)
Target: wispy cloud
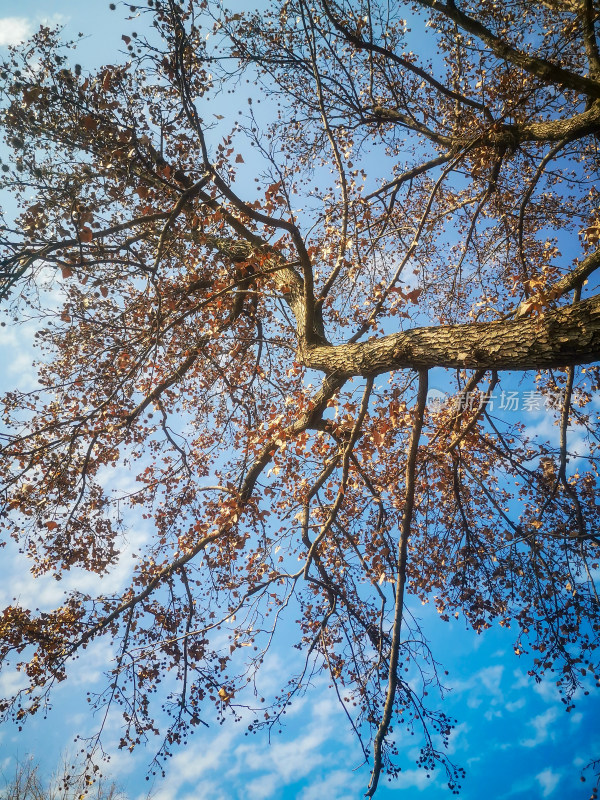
(542, 724)
(547, 690)
(14, 30)
(291, 760)
(483, 685)
(11, 683)
(263, 787)
(190, 767)
(229, 765)
(548, 780)
(459, 740)
(412, 779)
(337, 785)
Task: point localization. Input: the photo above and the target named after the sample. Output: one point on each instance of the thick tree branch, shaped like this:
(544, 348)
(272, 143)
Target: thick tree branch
(577, 276)
(511, 136)
(588, 14)
(545, 70)
(555, 338)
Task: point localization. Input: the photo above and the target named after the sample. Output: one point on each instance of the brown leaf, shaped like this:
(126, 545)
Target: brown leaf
(31, 94)
(89, 123)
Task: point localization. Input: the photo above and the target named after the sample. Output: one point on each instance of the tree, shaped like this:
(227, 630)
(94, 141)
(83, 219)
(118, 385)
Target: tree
(69, 784)
(252, 335)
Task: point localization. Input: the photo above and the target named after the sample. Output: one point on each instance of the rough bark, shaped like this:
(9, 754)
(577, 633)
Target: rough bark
(556, 338)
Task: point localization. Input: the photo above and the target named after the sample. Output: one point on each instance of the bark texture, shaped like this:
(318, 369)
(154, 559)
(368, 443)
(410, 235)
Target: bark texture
(556, 338)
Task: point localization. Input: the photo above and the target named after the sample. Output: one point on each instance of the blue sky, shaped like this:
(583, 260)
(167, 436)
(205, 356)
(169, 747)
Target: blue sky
(513, 736)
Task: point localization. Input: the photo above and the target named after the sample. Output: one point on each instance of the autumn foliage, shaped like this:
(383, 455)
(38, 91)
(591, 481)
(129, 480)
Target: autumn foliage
(240, 315)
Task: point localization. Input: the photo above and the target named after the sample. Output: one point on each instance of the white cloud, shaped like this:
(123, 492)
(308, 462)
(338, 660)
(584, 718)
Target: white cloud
(46, 593)
(491, 678)
(263, 787)
(207, 790)
(548, 780)
(522, 680)
(255, 769)
(542, 725)
(412, 778)
(12, 682)
(490, 715)
(483, 685)
(92, 667)
(14, 30)
(292, 759)
(190, 765)
(337, 785)
(458, 738)
(522, 786)
(546, 429)
(547, 690)
(17, 354)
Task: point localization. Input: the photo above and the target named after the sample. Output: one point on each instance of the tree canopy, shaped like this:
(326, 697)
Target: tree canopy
(239, 313)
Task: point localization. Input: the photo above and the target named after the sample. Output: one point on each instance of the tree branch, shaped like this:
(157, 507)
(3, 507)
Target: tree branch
(545, 70)
(409, 499)
(556, 338)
